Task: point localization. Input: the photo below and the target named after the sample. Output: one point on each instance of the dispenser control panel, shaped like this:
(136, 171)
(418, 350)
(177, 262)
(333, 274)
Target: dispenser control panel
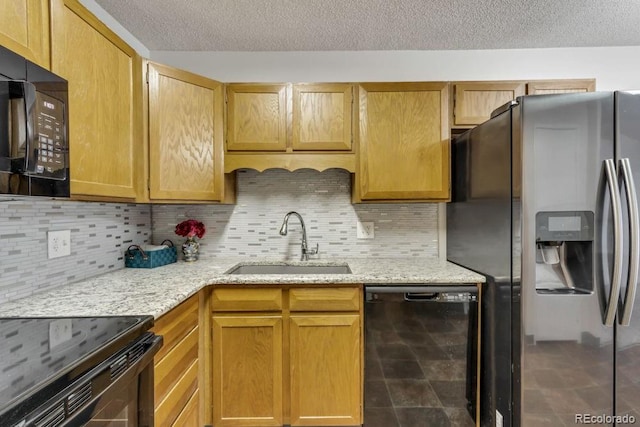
(564, 226)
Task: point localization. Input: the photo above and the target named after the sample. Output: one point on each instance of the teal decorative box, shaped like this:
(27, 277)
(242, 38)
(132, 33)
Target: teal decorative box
(136, 257)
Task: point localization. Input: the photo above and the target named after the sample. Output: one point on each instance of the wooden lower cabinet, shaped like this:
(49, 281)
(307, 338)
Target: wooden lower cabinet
(247, 370)
(177, 367)
(190, 414)
(278, 365)
(325, 369)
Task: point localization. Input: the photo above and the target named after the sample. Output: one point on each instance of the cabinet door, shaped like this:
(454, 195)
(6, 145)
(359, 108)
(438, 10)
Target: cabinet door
(325, 369)
(256, 117)
(24, 29)
(322, 116)
(247, 370)
(185, 135)
(474, 102)
(543, 87)
(404, 141)
(105, 107)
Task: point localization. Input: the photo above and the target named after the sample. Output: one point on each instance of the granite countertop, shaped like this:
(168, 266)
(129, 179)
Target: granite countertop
(156, 291)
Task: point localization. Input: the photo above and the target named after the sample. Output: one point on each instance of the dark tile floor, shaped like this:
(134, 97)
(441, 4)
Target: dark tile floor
(416, 364)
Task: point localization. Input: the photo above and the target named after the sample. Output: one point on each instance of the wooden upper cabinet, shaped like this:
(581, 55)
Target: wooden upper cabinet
(474, 101)
(403, 142)
(185, 135)
(542, 87)
(289, 126)
(105, 103)
(322, 116)
(24, 29)
(285, 117)
(256, 117)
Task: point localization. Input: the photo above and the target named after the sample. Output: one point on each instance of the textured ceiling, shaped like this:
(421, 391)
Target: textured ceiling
(308, 25)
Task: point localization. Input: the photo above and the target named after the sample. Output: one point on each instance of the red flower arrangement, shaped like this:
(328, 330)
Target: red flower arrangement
(190, 228)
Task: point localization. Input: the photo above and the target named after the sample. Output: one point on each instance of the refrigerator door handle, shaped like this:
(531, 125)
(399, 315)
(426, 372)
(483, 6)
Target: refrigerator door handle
(614, 295)
(634, 243)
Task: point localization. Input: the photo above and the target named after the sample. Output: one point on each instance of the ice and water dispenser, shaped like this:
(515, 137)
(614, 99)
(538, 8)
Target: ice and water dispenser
(564, 252)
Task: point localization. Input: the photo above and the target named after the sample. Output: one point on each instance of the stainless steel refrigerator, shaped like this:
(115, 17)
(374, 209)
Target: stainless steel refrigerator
(544, 205)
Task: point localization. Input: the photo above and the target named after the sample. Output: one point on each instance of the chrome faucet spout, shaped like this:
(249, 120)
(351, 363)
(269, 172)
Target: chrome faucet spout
(305, 252)
(283, 229)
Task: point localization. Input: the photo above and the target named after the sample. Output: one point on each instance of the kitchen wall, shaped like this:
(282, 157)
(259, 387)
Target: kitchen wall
(100, 233)
(612, 67)
(116, 27)
(250, 228)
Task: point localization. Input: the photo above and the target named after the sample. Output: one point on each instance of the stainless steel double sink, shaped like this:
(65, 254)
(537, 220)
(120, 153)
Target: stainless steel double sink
(289, 269)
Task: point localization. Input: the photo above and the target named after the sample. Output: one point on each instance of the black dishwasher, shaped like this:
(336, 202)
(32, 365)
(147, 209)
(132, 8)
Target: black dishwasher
(421, 355)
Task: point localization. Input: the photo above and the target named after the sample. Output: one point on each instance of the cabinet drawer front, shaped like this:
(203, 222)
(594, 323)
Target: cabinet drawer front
(324, 299)
(176, 325)
(189, 415)
(168, 410)
(173, 367)
(247, 300)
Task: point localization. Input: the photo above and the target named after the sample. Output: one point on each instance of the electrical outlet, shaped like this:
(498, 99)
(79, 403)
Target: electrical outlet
(365, 230)
(60, 331)
(59, 243)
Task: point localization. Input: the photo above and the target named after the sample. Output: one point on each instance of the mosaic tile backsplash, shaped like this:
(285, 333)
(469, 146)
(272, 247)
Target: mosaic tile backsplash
(100, 233)
(250, 228)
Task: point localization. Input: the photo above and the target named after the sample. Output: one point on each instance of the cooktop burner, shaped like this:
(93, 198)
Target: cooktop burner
(39, 356)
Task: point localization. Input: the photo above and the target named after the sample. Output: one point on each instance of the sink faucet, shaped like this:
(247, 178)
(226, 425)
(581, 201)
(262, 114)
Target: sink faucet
(305, 249)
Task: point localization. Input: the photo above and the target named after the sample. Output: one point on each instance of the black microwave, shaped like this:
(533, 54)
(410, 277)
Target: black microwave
(34, 149)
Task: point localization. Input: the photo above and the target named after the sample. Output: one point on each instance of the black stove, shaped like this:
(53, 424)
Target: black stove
(41, 359)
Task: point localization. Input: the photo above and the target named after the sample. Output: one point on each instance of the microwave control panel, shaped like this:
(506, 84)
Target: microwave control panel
(49, 138)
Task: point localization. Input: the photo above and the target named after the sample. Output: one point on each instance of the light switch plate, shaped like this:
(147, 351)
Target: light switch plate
(365, 230)
(59, 243)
